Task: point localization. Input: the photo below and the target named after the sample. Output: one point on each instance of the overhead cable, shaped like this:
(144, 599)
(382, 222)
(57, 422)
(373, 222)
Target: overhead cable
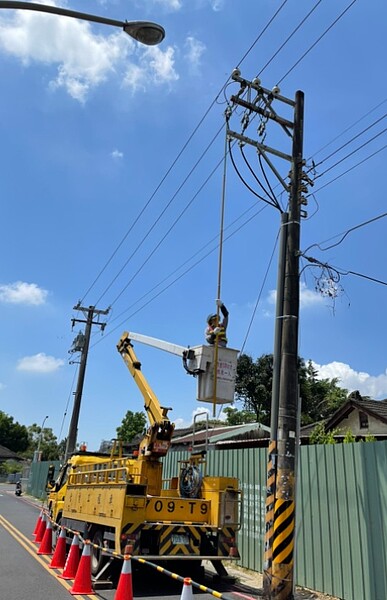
(317, 41)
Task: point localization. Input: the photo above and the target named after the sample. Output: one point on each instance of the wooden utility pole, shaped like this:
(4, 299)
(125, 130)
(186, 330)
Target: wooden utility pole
(89, 312)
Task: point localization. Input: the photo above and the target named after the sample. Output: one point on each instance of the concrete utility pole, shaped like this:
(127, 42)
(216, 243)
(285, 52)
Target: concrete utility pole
(89, 312)
(282, 452)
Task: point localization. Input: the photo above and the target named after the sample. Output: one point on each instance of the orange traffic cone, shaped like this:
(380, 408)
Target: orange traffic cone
(82, 581)
(124, 589)
(35, 531)
(42, 528)
(72, 562)
(187, 589)
(46, 545)
(58, 561)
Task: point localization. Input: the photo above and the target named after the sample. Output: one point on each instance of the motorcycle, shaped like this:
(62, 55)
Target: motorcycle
(18, 489)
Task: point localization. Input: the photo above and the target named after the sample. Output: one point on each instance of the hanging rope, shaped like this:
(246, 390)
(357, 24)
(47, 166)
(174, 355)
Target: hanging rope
(220, 259)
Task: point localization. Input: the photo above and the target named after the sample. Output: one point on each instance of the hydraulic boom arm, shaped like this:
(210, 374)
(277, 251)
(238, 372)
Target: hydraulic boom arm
(158, 437)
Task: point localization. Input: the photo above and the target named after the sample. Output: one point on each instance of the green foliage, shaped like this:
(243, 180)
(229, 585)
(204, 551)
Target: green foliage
(45, 440)
(238, 417)
(349, 438)
(320, 397)
(132, 425)
(320, 436)
(253, 385)
(370, 438)
(13, 435)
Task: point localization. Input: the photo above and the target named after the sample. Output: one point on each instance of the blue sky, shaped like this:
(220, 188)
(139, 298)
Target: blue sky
(91, 124)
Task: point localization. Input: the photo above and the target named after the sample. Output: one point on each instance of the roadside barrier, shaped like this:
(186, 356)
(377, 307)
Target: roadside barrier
(186, 593)
(124, 589)
(73, 559)
(42, 528)
(82, 582)
(72, 562)
(46, 544)
(58, 560)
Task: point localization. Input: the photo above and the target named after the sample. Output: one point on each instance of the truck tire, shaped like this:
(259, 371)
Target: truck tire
(97, 558)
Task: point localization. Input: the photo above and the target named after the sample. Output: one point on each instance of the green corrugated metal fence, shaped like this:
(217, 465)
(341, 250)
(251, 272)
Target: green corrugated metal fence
(341, 533)
(38, 477)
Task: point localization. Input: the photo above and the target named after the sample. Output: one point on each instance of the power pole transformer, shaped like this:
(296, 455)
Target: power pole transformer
(283, 447)
(81, 345)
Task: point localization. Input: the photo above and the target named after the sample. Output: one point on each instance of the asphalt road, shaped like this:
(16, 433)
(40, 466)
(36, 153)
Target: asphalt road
(25, 575)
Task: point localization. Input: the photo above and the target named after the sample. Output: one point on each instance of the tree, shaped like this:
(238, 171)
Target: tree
(253, 385)
(45, 440)
(132, 424)
(238, 417)
(320, 397)
(320, 436)
(12, 435)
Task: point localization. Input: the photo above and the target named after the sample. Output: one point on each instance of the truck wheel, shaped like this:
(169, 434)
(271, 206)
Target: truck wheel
(97, 558)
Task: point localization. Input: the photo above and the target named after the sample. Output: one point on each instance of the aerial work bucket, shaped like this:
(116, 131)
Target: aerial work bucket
(202, 363)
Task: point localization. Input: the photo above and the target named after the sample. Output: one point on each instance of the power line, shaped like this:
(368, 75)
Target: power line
(185, 145)
(345, 233)
(289, 37)
(347, 129)
(177, 278)
(350, 169)
(351, 153)
(317, 41)
(351, 140)
(260, 294)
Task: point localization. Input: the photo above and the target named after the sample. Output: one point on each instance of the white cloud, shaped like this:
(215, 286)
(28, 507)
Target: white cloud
(194, 51)
(169, 4)
(40, 363)
(217, 5)
(308, 298)
(368, 385)
(23, 293)
(156, 67)
(84, 60)
(116, 154)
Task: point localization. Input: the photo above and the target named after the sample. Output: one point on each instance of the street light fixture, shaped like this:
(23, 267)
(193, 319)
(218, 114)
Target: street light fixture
(145, 32)
(37, 452)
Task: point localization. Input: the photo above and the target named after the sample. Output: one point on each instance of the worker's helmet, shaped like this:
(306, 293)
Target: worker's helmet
(211, 317)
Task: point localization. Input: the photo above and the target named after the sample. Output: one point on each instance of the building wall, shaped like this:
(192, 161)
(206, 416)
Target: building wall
(353, 423)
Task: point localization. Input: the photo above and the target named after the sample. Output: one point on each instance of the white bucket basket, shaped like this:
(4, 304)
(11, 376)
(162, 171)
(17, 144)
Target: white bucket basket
(203, 364)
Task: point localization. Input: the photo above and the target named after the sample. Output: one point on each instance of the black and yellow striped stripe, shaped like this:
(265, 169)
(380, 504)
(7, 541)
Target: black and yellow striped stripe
(269, 522)
(283, 549)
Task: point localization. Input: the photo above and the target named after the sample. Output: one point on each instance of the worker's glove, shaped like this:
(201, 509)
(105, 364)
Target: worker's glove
(217, 330)
(219, 303)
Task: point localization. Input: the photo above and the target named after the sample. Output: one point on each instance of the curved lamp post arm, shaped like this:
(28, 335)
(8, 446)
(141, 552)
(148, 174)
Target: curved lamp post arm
(145, 32)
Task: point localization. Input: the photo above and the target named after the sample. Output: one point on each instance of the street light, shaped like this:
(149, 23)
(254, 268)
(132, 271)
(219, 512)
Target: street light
(37, 452)
(144, 32)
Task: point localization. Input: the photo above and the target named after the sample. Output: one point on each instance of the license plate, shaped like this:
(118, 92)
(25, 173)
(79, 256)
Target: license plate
(180, 538)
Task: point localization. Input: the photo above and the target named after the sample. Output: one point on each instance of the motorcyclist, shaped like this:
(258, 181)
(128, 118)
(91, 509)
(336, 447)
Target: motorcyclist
(18, 489)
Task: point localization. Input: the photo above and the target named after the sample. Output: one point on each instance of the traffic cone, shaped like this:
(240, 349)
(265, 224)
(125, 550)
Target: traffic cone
(82, 581)
(187, 589)
(124, 589)
(42, 528)
(72, 562)
(46, 545)
(35, 531)
(58, 561)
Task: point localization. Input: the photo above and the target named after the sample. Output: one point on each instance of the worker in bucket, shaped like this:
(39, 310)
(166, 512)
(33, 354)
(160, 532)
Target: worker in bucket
(217, 329)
